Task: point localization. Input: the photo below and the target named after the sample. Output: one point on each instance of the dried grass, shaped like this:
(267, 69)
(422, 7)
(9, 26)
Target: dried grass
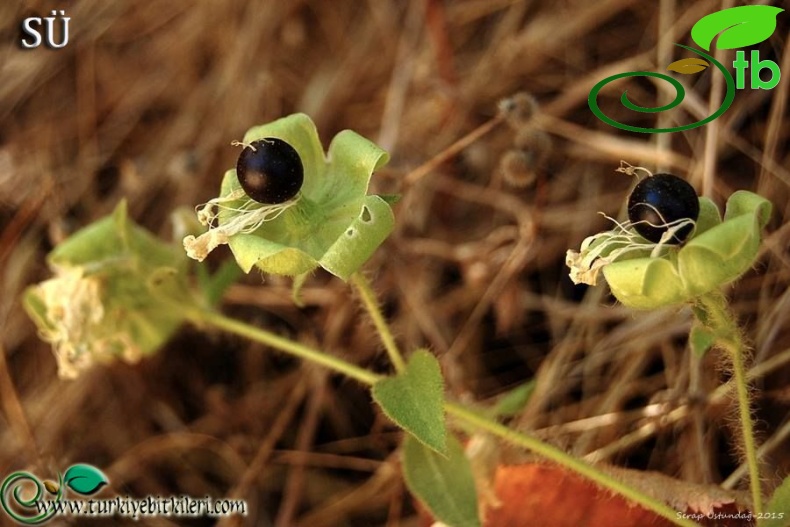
(144, 103)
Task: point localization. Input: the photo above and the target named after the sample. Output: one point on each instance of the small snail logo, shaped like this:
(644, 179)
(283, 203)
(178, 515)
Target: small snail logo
(736, 27)
(15, 496)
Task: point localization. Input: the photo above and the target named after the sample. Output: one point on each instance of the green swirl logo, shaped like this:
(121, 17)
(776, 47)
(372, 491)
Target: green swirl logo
(30, 508)
(680, 93)
(735, 27)
(14, 486)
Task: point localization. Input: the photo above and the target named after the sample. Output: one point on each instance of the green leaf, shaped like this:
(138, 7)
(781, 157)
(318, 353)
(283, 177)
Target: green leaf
(109, 240)
(514, 401)
(777, 513)
(414, 400)
(688, 65)
(445, 485)
(700, 340)
(739, 26)
(84, 479)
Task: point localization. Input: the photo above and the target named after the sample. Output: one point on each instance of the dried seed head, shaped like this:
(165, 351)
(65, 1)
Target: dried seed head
(534, 140)
(518, 109)
(518, 168)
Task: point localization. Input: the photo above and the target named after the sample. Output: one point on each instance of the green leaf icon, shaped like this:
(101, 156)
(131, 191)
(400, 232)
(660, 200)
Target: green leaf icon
(414, 400)
(445, 485)
(85, 479)
(739, 26)
(688, 65)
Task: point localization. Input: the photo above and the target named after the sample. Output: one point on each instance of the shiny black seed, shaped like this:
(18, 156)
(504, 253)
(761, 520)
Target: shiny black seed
(270, 171)
(660, 200)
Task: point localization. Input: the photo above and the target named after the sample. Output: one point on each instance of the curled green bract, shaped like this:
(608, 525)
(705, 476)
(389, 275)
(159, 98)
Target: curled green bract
(112, 296)
(332, 223)
(719, 252)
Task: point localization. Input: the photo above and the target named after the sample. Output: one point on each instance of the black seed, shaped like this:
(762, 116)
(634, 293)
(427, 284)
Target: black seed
(270, 171)
(660, 200)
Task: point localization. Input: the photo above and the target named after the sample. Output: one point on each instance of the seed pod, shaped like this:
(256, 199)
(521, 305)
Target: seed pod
(270, 171)
(661, 202)
(518, 168)
(518, 109)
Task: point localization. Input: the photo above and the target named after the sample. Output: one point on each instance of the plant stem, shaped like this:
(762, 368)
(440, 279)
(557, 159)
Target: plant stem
(566, 460)
(295, 349)
(372, 305)
(217, 320)
(736, 352)
(717, 318)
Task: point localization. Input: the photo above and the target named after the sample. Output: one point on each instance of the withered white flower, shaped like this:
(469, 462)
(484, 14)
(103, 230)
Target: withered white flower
(74, 312)
(117, 294)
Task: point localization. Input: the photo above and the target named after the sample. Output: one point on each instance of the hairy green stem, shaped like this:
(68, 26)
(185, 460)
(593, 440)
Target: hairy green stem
(736, 353)
(568, 461)
(535, 445)
(372, 305)
(712, 312)
(290, 347)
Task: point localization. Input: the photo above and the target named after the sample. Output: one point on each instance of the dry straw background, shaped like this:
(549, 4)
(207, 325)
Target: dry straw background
(143, 104)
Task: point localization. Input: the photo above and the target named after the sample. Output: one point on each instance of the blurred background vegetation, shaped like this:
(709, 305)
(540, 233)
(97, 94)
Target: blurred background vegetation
(143, 104)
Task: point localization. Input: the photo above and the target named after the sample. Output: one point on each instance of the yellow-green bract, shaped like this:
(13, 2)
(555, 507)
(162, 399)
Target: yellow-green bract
(719, 252)
(333, 224)
(112, 297)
